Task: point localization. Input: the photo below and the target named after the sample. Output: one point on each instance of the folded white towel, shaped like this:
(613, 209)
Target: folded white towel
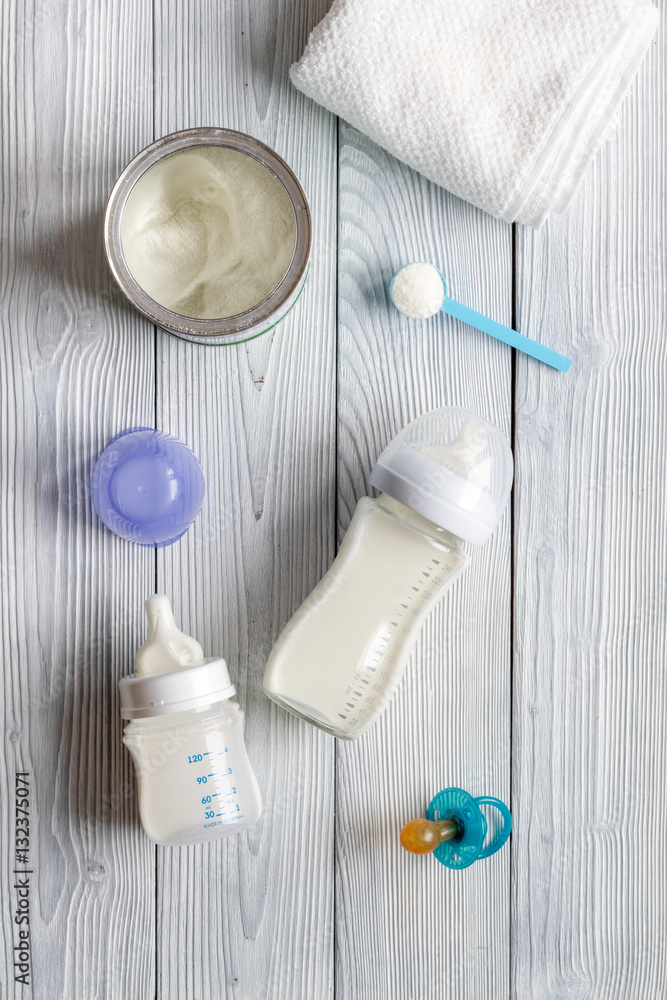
(502, 102)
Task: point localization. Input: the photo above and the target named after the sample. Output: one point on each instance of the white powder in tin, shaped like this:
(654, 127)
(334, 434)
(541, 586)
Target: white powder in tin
(418, 290)
(208, 232)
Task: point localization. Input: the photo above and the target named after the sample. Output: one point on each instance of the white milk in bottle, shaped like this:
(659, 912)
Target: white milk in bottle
(445, 478)
(186, 738)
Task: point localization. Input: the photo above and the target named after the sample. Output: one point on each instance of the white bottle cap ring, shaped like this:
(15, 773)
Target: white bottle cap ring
(178, 691)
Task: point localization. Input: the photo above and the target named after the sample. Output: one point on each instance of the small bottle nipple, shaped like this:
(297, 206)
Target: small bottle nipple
(167, 648)
(421, 836)
(461, 455)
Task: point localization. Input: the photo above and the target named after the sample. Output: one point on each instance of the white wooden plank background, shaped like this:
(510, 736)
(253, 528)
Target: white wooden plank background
(405, 928)
(541, 677)
(590, 702)
(259, 907)
(77, 366)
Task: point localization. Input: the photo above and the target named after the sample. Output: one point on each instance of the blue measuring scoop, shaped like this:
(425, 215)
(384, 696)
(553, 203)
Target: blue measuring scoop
(397, 290)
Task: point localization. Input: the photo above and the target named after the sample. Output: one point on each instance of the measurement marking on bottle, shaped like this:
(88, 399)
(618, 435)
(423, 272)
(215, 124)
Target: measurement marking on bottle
(389, 644)
(229, 809)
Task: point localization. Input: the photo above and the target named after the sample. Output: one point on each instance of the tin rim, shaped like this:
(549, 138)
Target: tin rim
(265, 313)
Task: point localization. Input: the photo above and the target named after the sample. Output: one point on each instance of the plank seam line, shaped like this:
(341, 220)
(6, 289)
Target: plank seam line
(513, 397)
(335, 533)
(155, 418)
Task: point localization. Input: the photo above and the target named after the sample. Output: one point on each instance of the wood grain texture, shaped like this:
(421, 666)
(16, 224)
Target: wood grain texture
(407, 928)
(589, 801)
(259, 907)
(308, 907)
(76, 368)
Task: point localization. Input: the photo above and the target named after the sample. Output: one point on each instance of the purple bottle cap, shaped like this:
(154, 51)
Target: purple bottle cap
(147, 486)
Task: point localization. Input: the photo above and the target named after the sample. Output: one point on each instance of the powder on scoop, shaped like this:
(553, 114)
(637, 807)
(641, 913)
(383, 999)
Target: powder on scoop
(418, 290)
(208, 232)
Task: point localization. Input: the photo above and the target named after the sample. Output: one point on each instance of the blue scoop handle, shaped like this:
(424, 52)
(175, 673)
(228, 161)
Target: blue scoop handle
(507, 335)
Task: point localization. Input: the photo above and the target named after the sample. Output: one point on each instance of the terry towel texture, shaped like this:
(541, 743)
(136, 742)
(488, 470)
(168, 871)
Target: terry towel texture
(502, 102)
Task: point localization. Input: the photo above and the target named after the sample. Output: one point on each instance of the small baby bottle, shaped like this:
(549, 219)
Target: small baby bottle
(446, 477)
(186, 738)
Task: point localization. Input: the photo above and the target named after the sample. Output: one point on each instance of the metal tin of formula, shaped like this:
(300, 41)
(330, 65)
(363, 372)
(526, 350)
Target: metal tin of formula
(230, 329)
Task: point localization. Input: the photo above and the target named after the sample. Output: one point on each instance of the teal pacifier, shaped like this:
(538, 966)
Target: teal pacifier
(455, 828)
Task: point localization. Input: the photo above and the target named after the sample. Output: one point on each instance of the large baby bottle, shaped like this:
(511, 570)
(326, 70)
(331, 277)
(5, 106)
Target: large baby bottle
(444, 479)
(186, 738)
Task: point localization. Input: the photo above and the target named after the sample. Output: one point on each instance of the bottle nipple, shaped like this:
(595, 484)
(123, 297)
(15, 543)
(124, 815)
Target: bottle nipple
(421, 836)
(461, 455)
(167, 648)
